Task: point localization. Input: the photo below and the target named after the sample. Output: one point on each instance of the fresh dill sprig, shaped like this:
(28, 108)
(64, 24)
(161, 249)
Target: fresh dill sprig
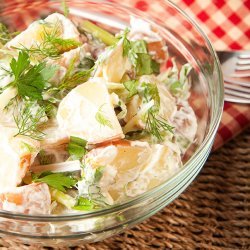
(102, 119)
(4, 34)
(149, 91)
(156, 125)
(28, 120)
(128, 48)
(52, 44)
(71, 79)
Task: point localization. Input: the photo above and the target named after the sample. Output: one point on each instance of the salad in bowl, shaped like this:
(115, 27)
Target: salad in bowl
(89, 119)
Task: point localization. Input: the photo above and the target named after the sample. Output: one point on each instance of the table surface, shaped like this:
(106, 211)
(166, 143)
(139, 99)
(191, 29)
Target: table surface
(213, 213)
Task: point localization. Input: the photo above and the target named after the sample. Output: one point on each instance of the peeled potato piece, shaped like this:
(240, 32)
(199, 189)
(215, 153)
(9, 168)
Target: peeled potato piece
(132, 168)
(114, 66)
(87, 112)
(30, 199)
(34, 34)
(54, 137)
(16, 154)
(6, 96)
(167, 102)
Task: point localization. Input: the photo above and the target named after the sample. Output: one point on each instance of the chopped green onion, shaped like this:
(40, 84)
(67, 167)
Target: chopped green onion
(99, 33)
(77, 147)
(62, 198)
(84, 204)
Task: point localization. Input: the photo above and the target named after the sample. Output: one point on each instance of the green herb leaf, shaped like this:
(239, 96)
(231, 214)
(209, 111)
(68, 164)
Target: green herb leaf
(155, 67)
(84, 204)
(145, 65)
(102, 119)
(125, 42)
(185, 70)
(149, 91)
(48, 71)
(28, 147)
(20, 65)
(77, 147)
(139, 46)
(98, 173)
(32, 83)
(127, 48)
(56, 180)
(132, 87)
(175, 87)
(30, 80)
(138, 55)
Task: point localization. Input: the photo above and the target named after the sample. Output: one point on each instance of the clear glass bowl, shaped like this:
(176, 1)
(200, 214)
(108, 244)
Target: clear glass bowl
(187, 43)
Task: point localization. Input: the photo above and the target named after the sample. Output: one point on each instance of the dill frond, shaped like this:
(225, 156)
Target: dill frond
(71, 79)
(28, 120)
(102, 119)
(157, 125)
(52, 44)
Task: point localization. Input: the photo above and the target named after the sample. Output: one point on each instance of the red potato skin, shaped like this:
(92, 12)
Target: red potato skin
(31, 199)
(25, 162)
(12, 198)
(116, 143)
(157, 49)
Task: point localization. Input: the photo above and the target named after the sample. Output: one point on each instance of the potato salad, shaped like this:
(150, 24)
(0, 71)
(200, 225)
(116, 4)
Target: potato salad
(88, 119)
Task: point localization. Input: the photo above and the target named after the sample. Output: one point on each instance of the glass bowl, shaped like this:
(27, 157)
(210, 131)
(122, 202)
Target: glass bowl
(187, 43)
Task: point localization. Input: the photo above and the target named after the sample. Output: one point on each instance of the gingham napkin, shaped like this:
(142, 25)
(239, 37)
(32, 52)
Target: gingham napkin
(225, 22)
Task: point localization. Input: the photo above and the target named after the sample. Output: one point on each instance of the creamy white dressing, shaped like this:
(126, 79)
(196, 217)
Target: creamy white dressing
(141, 29)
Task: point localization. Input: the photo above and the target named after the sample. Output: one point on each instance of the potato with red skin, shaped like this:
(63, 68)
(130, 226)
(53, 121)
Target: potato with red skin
(17, 153)
(31, 199)
(156, 49)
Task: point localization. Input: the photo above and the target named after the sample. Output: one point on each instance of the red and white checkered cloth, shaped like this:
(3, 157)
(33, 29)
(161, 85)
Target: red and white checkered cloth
(227, 24)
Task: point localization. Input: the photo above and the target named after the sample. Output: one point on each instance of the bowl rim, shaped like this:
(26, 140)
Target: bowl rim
(144, 196)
